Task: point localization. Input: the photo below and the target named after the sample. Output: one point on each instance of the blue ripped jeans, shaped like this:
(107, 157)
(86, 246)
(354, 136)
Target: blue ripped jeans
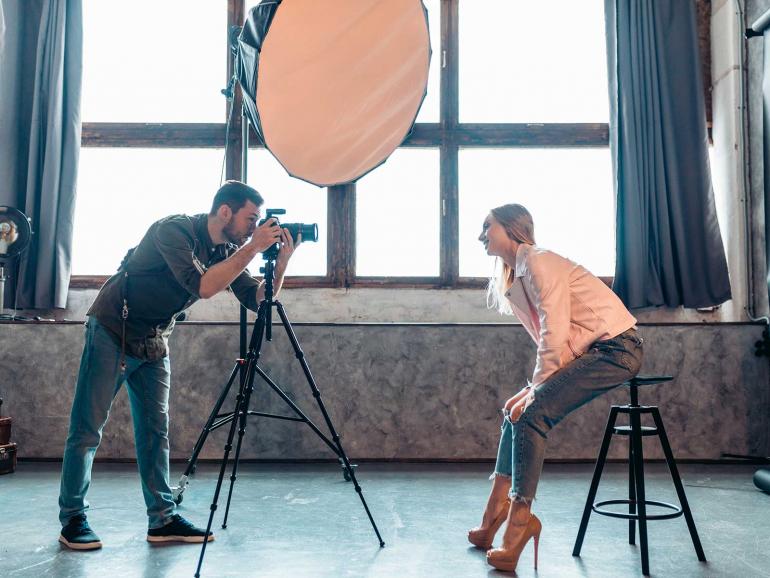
(99, 381)
(603, 367)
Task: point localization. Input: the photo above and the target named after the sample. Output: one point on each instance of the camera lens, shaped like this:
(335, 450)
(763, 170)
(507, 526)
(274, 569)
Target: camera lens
(309, 232)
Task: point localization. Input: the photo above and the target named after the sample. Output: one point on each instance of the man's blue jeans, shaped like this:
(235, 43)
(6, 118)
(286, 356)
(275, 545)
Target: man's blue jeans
(603, 367)
(99, 381)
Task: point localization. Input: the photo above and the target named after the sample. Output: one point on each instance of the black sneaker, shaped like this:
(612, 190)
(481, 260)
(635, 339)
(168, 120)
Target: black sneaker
(78, 535)
(177, 530)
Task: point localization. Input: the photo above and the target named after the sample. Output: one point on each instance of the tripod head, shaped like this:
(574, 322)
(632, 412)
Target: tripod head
(268, 271)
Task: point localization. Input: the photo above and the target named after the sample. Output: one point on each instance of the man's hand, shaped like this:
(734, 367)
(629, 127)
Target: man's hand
(288, 246)
(284, 254)
(267, 234)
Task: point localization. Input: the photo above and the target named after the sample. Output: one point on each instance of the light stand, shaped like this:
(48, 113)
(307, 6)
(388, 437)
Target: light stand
(3, 279)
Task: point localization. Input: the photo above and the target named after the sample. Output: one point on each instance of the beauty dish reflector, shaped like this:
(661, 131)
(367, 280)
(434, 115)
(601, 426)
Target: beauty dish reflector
(332, 87)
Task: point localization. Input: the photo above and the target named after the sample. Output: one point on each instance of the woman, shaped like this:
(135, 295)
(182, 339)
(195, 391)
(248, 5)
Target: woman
(586, 345)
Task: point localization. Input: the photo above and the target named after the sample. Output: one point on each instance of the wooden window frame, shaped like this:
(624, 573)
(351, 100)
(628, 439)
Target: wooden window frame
(448, 135)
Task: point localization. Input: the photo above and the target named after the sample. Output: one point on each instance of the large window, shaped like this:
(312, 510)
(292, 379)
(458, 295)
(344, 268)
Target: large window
(533, 62)
(148, 61)
(572, 207)
(303, 202)
(122, 191)
(398, 217)
(516, 111)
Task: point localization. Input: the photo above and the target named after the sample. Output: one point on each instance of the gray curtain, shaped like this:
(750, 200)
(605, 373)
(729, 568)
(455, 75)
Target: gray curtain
(41, 67)
(669, 248)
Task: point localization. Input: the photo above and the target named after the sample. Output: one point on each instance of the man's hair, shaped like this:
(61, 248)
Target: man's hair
(234, 194)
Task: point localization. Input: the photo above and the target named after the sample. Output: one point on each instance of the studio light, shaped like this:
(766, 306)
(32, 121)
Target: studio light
(333, 87)
(15, 236)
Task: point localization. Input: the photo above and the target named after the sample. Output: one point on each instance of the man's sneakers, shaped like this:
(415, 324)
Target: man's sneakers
(78, 535)
(177, 530)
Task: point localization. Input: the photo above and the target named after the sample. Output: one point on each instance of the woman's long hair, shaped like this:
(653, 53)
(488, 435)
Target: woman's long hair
(517, 222)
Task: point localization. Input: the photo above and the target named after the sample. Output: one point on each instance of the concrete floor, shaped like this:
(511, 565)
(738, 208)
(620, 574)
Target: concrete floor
(304, 520)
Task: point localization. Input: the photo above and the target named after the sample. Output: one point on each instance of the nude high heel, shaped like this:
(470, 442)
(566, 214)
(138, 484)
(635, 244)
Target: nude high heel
(507, 557)
(482, 538)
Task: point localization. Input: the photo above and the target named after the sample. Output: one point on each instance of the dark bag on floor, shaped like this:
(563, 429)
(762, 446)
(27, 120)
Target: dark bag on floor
(7, 458)
(5, 430)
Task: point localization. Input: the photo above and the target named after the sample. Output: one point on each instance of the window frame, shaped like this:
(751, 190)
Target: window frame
(448, 135)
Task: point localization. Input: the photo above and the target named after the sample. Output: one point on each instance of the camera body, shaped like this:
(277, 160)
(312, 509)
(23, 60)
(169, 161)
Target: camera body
(309, 232)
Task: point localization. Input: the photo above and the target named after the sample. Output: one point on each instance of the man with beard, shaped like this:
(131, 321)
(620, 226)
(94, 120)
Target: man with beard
(180, 259)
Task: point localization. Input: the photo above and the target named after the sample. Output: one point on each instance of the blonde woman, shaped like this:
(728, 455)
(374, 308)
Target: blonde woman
(586, 345)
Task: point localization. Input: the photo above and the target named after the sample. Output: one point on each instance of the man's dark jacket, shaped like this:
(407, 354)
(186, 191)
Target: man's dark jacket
(159, 279)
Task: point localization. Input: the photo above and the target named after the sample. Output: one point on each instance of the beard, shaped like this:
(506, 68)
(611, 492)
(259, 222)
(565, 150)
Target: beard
(234, 236)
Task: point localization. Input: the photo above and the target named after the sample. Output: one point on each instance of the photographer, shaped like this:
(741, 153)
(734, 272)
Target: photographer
(180, 259)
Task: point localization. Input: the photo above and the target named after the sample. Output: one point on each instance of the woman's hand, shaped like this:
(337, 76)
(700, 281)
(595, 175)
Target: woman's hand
(521, 395)
(516, 411)
(514, 407)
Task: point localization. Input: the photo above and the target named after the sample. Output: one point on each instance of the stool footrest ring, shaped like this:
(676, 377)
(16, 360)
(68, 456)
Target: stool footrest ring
(625, 430)
(597, 507)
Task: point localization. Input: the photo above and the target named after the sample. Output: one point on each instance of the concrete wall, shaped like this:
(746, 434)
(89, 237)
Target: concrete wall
(398, 391)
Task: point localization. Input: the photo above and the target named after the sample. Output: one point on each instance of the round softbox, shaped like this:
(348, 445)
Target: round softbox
(332, 87)
(15, 233)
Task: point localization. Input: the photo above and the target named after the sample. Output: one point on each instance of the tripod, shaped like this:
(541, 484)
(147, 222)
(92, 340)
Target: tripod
(248, 368)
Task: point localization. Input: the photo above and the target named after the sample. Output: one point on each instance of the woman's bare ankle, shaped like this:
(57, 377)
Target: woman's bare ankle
(519, 512)
(518, 516)
(497, 496)
(501, 487)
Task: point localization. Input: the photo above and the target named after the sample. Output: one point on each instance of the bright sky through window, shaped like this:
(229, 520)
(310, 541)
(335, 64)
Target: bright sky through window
(519, 62)
(533, 62)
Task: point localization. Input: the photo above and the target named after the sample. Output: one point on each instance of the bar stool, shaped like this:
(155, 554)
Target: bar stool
(637, 501)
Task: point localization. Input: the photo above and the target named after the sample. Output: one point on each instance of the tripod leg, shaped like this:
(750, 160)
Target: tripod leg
(241, 431)
(240, 406)
(274, 386)
(228, 447)
(247, 387)
(317, 395)
(183, 481)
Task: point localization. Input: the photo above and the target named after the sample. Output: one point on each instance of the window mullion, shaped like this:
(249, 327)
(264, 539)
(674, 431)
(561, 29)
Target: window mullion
(449, 64)
(449, 230)
(341, 221)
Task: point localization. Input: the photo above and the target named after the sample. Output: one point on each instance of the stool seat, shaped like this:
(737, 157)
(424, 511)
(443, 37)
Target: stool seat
(637, 502)
(648, 380)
